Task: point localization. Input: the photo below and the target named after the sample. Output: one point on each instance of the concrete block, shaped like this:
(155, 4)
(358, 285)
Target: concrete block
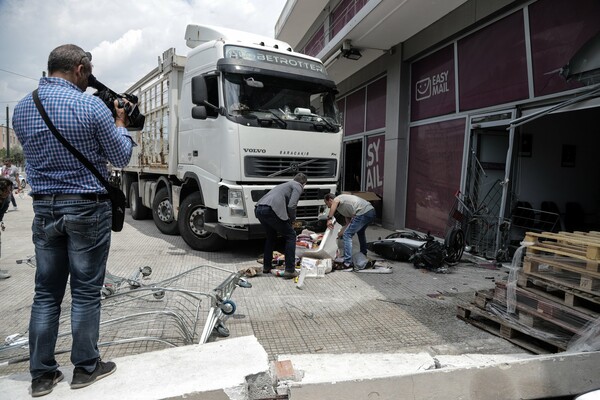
(214, 371)
(533, 378)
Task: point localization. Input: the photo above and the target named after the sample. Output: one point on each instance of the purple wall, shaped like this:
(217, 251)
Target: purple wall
(558, 28)
(492, 65)
(432, 85)
(435, 160)
(355, 113)
(376, 101)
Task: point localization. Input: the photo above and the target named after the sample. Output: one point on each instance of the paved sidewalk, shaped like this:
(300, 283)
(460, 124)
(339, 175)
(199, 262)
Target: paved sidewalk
(344, 312)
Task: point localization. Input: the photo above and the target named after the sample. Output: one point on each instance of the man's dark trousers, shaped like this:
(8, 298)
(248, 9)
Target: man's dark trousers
(273, 225)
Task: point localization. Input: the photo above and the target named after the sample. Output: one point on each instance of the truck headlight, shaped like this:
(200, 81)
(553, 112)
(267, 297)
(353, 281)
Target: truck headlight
(236, 202)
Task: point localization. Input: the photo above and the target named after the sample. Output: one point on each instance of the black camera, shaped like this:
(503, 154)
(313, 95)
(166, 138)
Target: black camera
(136, 119)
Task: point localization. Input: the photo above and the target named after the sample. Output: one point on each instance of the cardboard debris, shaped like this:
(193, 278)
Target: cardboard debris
(369, 196)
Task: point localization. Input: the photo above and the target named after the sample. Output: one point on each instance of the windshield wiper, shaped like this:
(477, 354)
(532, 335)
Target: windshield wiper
(327, 123)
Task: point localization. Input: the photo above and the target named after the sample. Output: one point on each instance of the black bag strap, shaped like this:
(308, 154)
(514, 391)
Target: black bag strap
(61, 138)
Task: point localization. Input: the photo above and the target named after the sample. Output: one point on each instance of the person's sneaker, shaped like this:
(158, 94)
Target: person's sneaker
(82, 378)
(289, 275)
(15, 208)
(44, 384)
(347, 267)
(4, 274)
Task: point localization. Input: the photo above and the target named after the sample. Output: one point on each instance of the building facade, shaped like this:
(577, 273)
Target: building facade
(8, 137)
(434, 98)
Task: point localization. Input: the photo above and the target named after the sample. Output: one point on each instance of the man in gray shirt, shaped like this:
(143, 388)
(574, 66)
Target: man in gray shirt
(359, 214)
(276, 212)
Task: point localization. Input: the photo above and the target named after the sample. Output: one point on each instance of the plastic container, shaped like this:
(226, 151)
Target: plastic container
(328, 247)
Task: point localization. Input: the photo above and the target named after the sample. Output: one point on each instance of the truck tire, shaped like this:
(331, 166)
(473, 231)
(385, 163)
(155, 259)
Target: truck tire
(138, 210)
(125, 187)
(162, 213)
(191, 225)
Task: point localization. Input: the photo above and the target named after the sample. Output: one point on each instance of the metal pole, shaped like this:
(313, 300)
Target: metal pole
(7, 135)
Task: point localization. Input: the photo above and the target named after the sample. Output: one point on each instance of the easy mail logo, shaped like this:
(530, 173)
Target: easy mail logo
(423, 89)
(432, 86)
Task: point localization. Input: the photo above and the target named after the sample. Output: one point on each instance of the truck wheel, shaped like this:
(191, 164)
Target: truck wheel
(125, 187)
(138, 210)
(162, 213)
(191, 225)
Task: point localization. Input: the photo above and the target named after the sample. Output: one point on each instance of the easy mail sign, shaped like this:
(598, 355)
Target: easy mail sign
(433, 86)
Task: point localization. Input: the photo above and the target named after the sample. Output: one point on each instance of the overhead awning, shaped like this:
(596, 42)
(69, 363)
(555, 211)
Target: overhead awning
(592, 93)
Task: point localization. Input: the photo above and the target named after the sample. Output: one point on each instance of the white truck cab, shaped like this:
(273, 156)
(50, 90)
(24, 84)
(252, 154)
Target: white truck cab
(241, 114)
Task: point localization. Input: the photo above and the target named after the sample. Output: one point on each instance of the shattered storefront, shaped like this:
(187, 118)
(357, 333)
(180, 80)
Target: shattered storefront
(472, 147)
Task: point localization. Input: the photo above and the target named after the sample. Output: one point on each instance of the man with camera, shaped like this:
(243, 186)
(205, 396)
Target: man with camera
(72, 221)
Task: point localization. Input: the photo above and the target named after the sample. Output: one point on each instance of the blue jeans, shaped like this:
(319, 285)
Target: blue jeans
(357, 226)
(71, 238)
(273, 225)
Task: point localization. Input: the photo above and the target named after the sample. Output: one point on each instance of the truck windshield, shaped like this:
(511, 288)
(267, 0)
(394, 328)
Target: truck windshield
(280, 103)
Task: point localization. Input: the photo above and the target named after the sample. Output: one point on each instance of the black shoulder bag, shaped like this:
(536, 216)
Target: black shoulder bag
(117, 197)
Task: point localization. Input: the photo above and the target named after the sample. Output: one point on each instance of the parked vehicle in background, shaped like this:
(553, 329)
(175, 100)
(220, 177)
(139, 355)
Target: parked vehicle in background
(237, 116)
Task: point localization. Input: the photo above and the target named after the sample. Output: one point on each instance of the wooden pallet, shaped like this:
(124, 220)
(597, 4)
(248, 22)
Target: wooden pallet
(583, 246)
(515, 333)
(483, 297)
(574, 298)
(567, 271)
(532, 308)
(590, 234)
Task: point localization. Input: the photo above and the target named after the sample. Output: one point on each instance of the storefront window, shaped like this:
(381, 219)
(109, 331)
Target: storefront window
(558, 28)
(435, 161)
(374, 164)
(492, 65)
(355, 113)
(432, 85)
(376, 100)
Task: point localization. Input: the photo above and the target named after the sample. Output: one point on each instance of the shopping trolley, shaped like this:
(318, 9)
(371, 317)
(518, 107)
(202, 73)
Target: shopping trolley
(168, 313)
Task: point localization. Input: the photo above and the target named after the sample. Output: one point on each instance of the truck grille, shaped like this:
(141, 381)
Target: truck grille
(307, 212)
(307, 194)
(287, 167)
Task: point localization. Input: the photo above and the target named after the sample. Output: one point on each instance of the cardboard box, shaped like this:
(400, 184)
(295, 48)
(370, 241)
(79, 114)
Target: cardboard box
(372, 198)
(369, 196)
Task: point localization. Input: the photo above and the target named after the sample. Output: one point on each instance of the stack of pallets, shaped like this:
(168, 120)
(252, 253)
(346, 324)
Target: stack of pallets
(556, 297)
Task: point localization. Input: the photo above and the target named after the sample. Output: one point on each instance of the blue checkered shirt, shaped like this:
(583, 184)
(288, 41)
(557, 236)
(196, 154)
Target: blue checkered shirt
(86, 123)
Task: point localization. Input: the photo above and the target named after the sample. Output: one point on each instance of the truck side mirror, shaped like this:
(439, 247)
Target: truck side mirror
(199, 112)
(199, 90)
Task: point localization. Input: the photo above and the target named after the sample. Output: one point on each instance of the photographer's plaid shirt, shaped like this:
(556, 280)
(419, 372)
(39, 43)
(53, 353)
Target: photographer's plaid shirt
(86, 122)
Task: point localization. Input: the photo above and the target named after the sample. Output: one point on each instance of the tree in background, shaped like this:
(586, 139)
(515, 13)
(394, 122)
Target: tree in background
(16, 155)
